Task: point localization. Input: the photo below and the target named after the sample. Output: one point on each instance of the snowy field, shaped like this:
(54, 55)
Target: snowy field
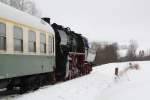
(99, 85)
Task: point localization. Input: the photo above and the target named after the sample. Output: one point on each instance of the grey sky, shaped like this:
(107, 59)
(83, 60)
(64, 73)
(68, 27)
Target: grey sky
(102, 20)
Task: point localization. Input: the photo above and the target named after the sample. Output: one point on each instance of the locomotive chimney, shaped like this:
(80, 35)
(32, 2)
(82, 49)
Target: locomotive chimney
(46, 19)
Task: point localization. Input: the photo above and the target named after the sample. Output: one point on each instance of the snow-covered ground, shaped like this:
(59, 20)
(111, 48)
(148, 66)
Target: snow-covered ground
(99, 85)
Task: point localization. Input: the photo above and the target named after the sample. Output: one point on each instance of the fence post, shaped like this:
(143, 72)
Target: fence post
(116, 71)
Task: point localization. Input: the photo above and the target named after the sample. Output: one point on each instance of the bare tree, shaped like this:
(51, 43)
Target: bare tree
(24, 5)
(131, 53)
(30, 7)
(141, 53)
(5, 1)
(95, 45)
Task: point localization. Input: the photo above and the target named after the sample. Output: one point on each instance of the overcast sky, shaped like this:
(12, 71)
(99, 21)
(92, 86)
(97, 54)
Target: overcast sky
(102, 20)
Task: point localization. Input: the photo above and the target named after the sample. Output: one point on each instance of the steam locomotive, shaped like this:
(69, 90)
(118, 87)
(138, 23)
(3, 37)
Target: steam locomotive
(71, 53)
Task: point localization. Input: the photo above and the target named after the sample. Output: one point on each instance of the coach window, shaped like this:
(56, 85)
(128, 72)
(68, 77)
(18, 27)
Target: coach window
(53, 45)
(42, 43)
(32, 41)
(2, 36)
(50, 44)
(18, 38)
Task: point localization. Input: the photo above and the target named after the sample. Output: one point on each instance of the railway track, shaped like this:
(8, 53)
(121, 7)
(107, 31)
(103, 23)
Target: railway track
(7, 94)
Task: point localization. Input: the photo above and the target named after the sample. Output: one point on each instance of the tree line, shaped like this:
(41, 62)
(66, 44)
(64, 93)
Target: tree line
(108, 53)
(27, 6)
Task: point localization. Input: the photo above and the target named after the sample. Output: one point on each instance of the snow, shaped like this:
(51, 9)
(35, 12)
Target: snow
(99, 85)
(135, 84)
(12, 14)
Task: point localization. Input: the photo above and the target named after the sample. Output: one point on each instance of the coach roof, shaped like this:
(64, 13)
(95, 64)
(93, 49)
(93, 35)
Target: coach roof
(14, 15)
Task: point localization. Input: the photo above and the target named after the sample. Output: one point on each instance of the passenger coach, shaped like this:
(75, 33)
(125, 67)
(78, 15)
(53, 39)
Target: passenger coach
(26, 47)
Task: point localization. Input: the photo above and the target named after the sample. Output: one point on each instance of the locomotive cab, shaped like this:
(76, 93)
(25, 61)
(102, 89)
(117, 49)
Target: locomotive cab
(62, 49)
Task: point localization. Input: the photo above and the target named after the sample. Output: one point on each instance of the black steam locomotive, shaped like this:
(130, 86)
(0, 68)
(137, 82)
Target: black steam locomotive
(71, 53)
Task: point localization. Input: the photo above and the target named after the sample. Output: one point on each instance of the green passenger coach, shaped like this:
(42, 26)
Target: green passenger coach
(27, 49)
